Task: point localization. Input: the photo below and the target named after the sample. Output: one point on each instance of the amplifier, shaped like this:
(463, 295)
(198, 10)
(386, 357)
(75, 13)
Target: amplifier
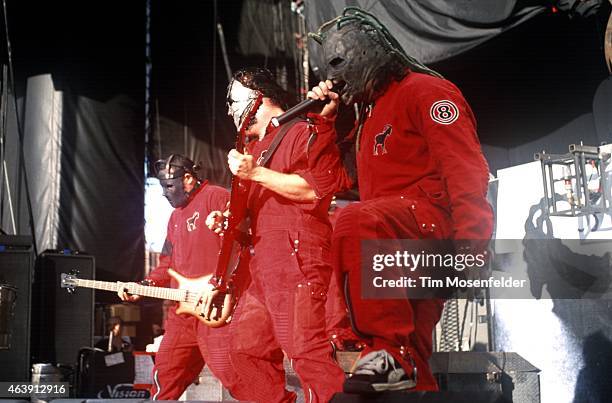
(504, 372)
(16, 269)
(103, 375)
(421, 397)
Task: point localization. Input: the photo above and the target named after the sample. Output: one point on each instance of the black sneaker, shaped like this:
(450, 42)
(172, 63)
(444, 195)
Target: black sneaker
(377, 372)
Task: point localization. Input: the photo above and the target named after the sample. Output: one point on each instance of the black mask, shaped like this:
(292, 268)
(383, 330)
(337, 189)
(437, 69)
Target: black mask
(170, 173)
(174, 191)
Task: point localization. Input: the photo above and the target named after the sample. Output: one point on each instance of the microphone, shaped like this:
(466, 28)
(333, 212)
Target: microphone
(306, 105)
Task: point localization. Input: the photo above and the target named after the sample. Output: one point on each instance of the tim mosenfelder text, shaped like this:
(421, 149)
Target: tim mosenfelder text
(448, 282)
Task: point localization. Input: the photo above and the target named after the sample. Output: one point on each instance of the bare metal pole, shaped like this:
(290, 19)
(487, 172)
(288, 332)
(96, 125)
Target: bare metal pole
(158, 127)
(305, 56)
(3, 105)
(9, 197)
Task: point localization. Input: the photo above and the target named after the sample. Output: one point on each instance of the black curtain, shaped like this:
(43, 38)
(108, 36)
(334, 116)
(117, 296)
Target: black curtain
(93, 54)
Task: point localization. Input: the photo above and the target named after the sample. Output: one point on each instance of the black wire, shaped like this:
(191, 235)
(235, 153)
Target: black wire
(475, 319)
(148, 129)
(214, 77)
(19, 130)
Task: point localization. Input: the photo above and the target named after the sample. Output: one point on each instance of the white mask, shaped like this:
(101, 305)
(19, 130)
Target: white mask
(239, 101)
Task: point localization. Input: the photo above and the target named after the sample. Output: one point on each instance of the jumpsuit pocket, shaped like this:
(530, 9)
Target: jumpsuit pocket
(277, 254)
(438, 197)
(310, 294)
(312, 254)
(432, 221)
(433, 214)
(295, 253)
(309, 313)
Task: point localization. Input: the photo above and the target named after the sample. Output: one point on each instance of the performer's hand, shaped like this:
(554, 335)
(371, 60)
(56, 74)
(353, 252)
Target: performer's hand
(216, 220)
(211, 310)
(324, 91)
(241, 165)
(123, 294)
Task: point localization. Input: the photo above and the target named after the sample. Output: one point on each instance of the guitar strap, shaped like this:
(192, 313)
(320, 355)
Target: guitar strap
(277, 139)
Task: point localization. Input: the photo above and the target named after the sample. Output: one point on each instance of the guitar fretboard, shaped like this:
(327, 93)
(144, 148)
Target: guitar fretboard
(172, 294)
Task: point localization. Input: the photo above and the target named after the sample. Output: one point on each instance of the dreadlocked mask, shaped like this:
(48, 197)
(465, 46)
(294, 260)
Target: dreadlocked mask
(360, 53)
(354, 58)
(170, 173)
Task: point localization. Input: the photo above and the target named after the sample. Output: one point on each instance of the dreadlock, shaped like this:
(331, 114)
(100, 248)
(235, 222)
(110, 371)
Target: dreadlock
(377, 31)
(262, 80)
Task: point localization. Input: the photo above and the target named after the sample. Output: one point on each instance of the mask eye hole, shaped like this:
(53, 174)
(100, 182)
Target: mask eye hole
(336, 61)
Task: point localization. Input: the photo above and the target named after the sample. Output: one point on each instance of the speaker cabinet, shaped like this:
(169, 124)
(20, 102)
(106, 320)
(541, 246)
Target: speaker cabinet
(63, 322)
(104, 375)
(16, 266)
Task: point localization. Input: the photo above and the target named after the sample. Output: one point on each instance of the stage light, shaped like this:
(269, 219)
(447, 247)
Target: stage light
(577, 183)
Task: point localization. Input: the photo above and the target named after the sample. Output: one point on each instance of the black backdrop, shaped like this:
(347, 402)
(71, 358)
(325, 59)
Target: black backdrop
(94, 54)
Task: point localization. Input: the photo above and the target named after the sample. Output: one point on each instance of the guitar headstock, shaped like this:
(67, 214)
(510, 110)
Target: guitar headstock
(69, 281)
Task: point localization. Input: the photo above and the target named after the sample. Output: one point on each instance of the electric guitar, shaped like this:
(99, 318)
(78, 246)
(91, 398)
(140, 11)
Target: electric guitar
(232, 266)
(190, 294)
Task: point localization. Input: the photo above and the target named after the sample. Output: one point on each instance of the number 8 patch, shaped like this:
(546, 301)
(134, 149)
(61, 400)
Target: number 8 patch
(444, 112)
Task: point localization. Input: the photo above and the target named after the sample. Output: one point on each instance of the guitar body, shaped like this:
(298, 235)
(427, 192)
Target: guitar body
(192, 285)
(223, 303)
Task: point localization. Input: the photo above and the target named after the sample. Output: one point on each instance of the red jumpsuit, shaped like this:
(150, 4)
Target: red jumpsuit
(191, 249)
(421, 175)
(284, 307)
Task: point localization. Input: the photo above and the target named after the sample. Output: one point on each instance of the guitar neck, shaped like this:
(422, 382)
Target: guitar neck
(172, 294)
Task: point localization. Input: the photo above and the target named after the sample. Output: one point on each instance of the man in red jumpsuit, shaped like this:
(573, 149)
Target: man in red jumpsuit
(191, 250)
(283, 310)
(421, 175)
